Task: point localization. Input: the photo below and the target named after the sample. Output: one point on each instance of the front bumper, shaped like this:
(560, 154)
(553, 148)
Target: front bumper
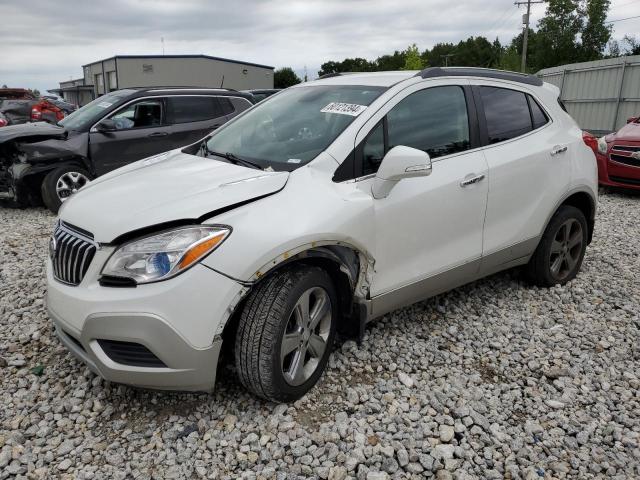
(179, 321)
(614, 174)
(188, 368)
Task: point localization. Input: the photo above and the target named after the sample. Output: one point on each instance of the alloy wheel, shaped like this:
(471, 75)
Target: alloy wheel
(306, 335)
(566, 249)
(69, 183)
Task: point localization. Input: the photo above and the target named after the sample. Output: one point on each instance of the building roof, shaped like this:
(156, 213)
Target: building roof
(206, 57)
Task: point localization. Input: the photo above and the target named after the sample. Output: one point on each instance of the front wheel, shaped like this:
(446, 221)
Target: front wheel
(285, 333)
(559, 255)
(61, 183)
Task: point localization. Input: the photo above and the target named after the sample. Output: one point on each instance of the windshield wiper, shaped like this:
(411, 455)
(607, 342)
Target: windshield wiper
(231, 157)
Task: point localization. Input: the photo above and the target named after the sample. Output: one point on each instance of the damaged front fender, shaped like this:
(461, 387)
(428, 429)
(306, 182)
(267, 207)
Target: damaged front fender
(33, 149)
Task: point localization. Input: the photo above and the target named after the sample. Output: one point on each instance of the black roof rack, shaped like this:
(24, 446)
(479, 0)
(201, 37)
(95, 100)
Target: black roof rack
(330, 75)
(434, 72)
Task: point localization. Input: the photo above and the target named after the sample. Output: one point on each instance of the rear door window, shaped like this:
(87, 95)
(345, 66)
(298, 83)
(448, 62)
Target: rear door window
(506, 113)
(186, 109)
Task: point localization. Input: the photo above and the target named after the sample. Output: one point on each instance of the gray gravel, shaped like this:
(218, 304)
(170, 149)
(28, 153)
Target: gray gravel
(493, 380)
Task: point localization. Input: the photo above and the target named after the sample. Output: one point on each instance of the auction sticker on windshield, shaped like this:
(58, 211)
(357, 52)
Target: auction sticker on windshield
(352, 109)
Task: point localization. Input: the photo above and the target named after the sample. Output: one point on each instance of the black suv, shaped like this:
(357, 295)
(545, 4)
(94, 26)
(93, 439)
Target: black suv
(42, 162)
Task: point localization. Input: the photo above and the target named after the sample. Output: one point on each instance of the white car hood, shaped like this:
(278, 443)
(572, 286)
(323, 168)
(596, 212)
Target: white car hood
(167, 187)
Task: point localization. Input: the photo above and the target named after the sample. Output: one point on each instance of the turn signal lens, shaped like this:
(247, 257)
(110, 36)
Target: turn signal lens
(199, 250)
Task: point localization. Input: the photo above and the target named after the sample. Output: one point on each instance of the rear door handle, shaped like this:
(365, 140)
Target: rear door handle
(158, 134)
(470, 181)
(558, 149)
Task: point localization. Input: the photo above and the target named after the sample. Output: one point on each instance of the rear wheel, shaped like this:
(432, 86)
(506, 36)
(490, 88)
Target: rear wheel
(285, 333)
(559, 255)
(61, 183)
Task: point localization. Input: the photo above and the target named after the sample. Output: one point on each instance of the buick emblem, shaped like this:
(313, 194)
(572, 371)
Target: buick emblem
(636, 155)
(52, 247)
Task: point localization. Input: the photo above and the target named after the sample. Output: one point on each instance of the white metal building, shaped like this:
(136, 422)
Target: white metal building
(600, 95)
(123, 71)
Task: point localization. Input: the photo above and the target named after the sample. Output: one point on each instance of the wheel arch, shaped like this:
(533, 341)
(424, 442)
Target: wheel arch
(347, 266)
(33, 177)
(586, 203)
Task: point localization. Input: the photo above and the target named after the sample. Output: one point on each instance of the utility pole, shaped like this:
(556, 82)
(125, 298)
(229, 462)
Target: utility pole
(446, 58)
(525, 31)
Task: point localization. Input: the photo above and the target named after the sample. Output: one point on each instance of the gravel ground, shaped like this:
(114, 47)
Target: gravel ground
(493, 380)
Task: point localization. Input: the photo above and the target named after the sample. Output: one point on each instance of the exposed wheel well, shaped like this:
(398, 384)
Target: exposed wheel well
(336, 261)
(585, 203)
(33, 180)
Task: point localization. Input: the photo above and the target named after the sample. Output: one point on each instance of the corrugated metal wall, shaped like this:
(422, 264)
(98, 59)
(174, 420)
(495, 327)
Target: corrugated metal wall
(600, 95)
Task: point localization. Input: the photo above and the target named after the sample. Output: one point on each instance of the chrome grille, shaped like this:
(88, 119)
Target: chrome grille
(626, 154)
(71, 254)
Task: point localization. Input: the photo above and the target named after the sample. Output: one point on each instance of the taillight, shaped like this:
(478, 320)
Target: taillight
(36, 114)
(3, 122)
(590, 141)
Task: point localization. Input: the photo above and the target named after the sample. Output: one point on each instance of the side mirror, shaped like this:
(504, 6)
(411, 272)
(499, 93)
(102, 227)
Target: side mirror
(400, 162)
(632, 119)
(106, 125)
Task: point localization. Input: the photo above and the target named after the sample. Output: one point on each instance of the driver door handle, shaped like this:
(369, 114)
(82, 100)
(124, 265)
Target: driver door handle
(470, 181)
(158, 134)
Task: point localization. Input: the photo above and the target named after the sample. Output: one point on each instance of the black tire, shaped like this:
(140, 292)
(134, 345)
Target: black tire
(557, 248)
(50, 196)
(266, 317)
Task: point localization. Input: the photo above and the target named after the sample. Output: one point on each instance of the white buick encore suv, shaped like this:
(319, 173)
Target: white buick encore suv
(325, 206)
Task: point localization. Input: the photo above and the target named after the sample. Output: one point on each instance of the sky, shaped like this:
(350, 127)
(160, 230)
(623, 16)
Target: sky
(43, 42)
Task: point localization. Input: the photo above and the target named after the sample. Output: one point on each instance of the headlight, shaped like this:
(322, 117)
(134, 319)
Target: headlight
(602, 146)
(165, 254)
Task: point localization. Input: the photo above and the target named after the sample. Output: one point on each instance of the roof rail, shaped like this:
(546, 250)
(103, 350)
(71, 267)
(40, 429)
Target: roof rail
(434, 72)
(330, 75)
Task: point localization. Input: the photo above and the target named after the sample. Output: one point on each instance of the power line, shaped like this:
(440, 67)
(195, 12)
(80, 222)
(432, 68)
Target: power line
(504, 22)
(622, 19)
(501, 18)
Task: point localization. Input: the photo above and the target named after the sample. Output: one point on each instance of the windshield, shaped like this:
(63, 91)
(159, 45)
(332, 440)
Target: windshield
(290, 129)
(86, 116)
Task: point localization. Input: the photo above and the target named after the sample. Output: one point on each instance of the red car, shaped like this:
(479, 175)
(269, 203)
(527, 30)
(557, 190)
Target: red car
(618, 156)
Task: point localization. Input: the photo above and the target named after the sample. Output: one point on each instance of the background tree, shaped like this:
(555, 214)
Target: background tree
(285, 77)
(440, 55)
(412, 60)
(631, 46)
(395, 61)
(347, 65)
(596, 33)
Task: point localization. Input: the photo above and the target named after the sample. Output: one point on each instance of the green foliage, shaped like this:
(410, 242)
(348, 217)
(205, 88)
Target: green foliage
(571, 31)
(285, 77)
(412, 60)
(396, 61)
(347, 65)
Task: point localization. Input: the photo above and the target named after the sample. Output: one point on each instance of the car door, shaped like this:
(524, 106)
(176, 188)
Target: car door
(428, 229)
(140, 131)
(522, 167)
(193, 117)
